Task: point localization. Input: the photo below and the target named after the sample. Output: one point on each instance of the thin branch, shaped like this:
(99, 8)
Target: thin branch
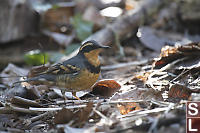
(23, 101)
(8, 109)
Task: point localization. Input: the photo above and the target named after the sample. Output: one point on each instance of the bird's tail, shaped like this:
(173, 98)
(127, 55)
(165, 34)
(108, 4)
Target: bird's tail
(41, 78)
(26, 80)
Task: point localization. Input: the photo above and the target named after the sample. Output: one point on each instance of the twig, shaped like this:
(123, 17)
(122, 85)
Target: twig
(184, 72)
(55, 109)
(8, 109)
(152, 80)
(23, 101)
(102, 101)
(160, 103)
(100, 114)
(41, 116)
(79, 101)
(3, 104)
(107, 120)
(14, 130)
(141, 112)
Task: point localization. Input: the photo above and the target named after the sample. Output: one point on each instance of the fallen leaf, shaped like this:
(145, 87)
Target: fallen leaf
(79, 118)
(83, 115)
(125, 108)
(63, 116)
(105, 88)
(187, 54)
(178, 92)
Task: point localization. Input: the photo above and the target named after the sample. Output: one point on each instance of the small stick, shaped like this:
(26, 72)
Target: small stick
(23, 101)
(8, 109)
(36, 118)
(55, 109)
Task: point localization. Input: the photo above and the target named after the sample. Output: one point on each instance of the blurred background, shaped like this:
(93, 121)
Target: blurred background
(32, 29)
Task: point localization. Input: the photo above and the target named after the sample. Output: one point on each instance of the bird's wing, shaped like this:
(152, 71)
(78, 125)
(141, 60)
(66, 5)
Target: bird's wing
(70, 66)
(60, 68)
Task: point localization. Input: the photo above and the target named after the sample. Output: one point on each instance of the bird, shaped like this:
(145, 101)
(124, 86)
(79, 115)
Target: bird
(78, 73)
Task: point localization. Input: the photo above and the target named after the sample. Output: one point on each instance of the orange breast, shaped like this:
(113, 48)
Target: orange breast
(83, 81)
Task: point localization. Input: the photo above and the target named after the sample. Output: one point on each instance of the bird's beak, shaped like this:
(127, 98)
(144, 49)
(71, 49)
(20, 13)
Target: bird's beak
(103, 46)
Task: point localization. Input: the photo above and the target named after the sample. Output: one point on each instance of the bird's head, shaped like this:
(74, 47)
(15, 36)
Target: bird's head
(91, 50)
(91, 46)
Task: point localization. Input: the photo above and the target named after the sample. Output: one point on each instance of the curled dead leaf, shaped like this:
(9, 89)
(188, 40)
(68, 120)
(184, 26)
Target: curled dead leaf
(186, 53)
(105, 87)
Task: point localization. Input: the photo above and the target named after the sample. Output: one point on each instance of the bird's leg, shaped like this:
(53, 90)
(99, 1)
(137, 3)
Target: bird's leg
(64, 96)
(74, 94)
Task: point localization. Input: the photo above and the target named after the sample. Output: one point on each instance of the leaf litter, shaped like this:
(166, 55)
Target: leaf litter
(150, 97)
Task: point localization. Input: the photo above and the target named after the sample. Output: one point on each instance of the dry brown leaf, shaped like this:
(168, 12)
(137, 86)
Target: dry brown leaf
(105, 88)
(178, 92)
(128, 107)
(63, 116)
(191, 52)
(79, 118)
(83, 115)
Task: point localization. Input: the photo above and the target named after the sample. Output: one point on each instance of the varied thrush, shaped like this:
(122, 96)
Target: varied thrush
(76, 74)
